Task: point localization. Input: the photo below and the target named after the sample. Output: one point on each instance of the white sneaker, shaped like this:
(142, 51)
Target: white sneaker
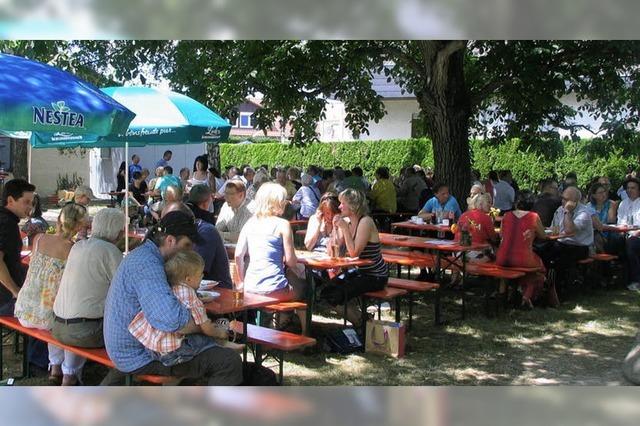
(634, 286)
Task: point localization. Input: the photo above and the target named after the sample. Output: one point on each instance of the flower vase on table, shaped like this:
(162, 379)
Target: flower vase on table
(465, 237)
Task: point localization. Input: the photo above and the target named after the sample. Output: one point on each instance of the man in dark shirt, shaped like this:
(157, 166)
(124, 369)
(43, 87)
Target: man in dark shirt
(199, 200)
(548, 202)
(17, 203)
(210, 247)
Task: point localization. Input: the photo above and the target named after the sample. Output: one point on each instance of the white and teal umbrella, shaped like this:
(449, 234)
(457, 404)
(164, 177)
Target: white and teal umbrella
(162, 118)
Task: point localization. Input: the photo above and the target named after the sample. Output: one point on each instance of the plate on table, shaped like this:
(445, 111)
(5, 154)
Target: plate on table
(25, 253)
(208, 284)
(207, 295)
(548, 231)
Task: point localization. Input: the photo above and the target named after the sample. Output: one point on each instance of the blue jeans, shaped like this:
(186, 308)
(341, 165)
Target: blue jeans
(192, 346)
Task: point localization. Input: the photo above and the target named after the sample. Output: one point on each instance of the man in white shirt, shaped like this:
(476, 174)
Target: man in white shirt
(235, 212)
(629, 214)
(503, 196)
(571, 218)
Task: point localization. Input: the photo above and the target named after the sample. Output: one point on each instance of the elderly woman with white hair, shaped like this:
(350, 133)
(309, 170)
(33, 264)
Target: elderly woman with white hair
(479, 224)
(259, 178)
(476, 188)
(79, 304)
(307, 198)
(268, 240)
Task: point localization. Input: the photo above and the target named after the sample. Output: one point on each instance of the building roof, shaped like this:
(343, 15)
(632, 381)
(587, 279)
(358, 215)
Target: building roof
(388, 89)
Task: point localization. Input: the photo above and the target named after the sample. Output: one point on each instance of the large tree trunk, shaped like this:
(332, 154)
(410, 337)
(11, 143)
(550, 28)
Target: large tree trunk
(445, 103)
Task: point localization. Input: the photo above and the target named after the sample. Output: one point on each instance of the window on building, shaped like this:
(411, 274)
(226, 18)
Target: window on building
(246, 121)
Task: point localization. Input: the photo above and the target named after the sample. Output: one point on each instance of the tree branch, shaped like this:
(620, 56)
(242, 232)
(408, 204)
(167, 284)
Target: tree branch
(442, 59)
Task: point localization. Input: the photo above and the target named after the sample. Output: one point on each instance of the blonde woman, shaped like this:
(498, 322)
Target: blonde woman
(357, 232)
(34, 305)
(268, 240)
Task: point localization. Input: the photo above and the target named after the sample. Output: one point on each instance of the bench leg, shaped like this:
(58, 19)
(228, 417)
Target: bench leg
(462, 283)
(311, 298)
(128, 380)
(245, 339)
(281, 367)
(1, 351)
(410, 311)
(363, 326)
(379, 310)
(397, 306)
(437, 308)
(26, 370)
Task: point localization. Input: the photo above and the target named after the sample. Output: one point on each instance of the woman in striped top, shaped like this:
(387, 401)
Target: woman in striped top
(358, 233)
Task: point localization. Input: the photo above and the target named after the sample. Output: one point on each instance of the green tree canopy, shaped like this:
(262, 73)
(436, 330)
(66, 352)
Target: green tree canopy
(495, 89)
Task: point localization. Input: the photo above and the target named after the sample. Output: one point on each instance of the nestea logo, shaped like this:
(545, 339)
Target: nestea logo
(60, 115)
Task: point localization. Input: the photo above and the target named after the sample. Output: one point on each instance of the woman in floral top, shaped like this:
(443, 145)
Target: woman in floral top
(34, 305)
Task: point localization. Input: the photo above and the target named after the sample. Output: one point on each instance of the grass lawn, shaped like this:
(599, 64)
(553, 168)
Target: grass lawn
(581, 343)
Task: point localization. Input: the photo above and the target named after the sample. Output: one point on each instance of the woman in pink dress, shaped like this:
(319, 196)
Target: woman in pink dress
(520, 228)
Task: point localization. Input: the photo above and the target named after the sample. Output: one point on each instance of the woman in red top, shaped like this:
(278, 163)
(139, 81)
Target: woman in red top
(520, 228)
(480, 226)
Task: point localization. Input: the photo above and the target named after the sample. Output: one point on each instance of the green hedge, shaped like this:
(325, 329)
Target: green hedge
(528, 164)
(367, 154)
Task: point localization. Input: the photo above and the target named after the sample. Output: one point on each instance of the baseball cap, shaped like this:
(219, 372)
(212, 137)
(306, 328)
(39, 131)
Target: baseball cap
(178, 223)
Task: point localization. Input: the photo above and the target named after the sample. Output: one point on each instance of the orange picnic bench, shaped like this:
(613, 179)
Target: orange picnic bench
(98, 355)
(278, 341)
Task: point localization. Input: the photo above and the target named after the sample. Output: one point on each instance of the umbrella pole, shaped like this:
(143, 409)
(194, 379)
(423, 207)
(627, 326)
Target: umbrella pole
(126, 197)
(29, 162)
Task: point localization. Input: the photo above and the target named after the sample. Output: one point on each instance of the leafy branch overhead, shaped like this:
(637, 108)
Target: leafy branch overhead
(492, 89)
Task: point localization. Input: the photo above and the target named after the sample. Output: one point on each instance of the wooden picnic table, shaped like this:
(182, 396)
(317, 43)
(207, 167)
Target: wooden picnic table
(322, 262)
(407, 224)
(227, 303)
(298, 222)
(428, 243)
(138, 235)
(456, 253)
(624, 229)
(556, 237)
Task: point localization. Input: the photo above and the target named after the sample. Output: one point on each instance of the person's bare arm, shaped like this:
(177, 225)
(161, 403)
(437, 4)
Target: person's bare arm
(190, 328)
(313, 232)
(355, 247)
(5, 277)
(241, 251)
(540, 234)
(569, 225)
(612, 216)
(290, 258)
(210, 330)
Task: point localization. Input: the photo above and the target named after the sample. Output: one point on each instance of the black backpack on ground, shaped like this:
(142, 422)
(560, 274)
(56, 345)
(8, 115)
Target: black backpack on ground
(259, 375)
